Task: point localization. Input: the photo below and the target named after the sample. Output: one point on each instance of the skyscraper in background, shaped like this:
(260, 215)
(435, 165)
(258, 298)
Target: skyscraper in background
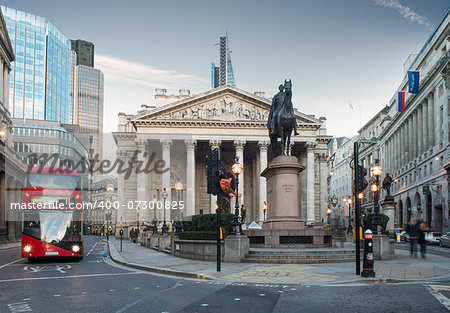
(86, 106)
(40, 75)
(84, 51)
(223, 74)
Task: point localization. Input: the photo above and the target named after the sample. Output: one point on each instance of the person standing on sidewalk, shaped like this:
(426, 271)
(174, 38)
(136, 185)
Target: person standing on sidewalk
(132, 235)
(413, 231)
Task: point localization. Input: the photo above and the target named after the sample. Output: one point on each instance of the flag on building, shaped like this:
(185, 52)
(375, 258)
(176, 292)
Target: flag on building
(351, 106)
(413, 80)
(401, 101)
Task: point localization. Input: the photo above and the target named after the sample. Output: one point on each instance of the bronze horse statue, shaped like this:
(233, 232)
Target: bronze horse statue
(282, 119)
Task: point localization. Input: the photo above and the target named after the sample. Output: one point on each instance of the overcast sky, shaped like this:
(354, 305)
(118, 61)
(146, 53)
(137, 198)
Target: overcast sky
(335, 52)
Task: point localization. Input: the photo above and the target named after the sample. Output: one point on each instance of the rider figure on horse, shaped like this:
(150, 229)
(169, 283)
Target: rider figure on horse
(279, 98)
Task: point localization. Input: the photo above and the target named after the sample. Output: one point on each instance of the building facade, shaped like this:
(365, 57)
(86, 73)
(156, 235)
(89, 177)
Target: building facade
(12, 170)
(181, 133)
(40, 75)
(413, 146)
(340, 181)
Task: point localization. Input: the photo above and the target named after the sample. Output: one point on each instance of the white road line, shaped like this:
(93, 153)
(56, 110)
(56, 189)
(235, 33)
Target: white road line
(433, 289)
(4, 265)
(71, 276)
(92, 249)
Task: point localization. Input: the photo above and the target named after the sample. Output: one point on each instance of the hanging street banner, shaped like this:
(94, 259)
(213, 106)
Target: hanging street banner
(401, 101)
(413, 80)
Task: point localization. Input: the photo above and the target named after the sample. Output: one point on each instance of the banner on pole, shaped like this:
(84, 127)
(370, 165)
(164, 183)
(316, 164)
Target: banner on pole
(413, 81)
(401, 101)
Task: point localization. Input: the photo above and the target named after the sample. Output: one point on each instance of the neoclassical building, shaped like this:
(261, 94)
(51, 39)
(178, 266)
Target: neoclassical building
(181, 132)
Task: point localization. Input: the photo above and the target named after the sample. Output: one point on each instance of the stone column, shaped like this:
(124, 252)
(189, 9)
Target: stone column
(414, 135)
(239, 146)
(190, 177)
(420, 130)
(141, 190)
(401, 154)
(425, 126)
(431, 141)
(310, 183)
(214, 144)
(166, 144)
(410, 138)
(323, 166)
(262, 181)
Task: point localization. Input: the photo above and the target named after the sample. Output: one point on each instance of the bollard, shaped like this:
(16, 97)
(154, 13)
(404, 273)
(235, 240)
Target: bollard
(121, 235)
(368, 255)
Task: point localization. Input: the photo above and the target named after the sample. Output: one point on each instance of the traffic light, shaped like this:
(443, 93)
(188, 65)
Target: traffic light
(212, 172)
(362, 181)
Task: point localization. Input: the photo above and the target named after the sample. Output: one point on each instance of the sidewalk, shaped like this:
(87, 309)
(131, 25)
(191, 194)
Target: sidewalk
(10, 245)
(402, 268)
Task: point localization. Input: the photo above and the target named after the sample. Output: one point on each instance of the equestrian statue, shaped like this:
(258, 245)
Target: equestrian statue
(282, 119)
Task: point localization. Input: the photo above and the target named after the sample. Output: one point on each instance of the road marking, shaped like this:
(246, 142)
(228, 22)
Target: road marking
(56, 295)
(112, 290)
(262, 294)
(4, 265)
(69, 276)
(434, 290)
(36, 269)
(136, 288)
(92, 249)
(19, 307)
(237, 299)
(204, 304)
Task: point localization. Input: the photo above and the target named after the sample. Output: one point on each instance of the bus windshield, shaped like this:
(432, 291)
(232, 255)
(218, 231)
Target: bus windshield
(53, 181)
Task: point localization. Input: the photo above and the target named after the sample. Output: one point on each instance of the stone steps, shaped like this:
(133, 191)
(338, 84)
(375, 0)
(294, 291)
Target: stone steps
(299, 256)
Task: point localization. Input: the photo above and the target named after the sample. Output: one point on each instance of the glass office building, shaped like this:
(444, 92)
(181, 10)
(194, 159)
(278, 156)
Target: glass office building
(40, 76)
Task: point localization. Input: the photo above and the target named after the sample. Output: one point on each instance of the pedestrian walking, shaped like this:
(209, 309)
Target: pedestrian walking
(423, 228)
(413, 231)
(132, 236)
(136, 235)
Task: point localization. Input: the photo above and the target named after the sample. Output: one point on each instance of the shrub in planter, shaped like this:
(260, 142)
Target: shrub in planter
(367, 221)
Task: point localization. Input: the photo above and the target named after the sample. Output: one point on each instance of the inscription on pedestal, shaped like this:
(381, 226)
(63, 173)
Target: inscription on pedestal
(288, 188)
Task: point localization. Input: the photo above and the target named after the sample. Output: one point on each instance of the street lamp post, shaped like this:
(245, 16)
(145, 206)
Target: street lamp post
(178, 224)
(237, 169)
(349, 228)
(164, 228)
(264, 209)
(155, 224)
(377, 170)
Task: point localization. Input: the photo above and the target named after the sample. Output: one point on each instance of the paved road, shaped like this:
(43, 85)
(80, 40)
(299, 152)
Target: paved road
(97, 285)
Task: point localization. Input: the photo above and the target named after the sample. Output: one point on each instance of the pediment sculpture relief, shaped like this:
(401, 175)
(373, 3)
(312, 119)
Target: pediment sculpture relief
(226, 108)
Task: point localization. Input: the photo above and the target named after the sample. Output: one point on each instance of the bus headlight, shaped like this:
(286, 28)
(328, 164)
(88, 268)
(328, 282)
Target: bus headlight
(27, 248)
(75, 248)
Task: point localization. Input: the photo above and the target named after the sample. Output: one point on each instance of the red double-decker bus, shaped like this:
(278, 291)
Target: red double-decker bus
(53, 214)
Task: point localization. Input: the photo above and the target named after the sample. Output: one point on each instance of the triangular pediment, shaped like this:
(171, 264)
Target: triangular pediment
(226, 103)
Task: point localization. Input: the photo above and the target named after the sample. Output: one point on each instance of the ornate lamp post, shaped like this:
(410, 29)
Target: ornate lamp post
(376, 171)
(328, 215)
(178, 224)
(264, 209)
(349, 202)
(237, 169)
(164, 228)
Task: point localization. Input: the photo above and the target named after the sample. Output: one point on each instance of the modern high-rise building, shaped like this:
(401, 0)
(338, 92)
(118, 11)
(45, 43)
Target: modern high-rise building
(85, 52)
(88, 105)
(223, 74)
(40, 75)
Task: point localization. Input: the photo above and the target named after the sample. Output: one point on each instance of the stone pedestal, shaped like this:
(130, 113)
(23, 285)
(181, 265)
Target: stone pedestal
(283, 193)
(388, 208)
(284, 228)
(164, 242)
(154, 241)
(236, 248)
(382, 248)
